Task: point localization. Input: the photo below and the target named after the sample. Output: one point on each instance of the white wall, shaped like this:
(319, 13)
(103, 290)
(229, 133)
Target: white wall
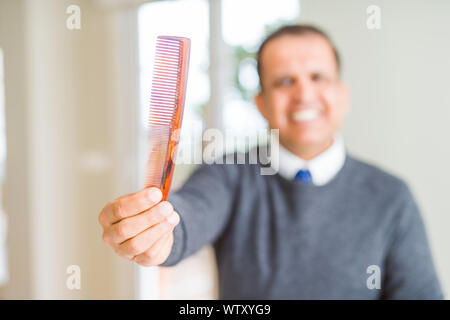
(12, 41)
(68, 117)
(400, 102)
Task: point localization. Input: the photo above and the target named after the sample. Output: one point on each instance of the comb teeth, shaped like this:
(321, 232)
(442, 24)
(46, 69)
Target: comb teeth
(166, 80)
(166, 109)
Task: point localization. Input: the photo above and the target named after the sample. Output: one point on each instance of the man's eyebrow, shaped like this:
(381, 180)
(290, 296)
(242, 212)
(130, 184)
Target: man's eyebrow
(288, 74)
(280, 77)
(283, 75)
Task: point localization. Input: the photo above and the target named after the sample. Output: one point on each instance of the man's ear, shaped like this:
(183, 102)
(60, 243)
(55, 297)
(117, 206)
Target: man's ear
(259, 101)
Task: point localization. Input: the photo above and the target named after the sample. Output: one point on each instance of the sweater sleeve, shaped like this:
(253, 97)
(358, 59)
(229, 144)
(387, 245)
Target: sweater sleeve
(409, 269)
(204, 204)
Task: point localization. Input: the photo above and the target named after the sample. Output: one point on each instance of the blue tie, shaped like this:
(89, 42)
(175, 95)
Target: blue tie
(304, 176)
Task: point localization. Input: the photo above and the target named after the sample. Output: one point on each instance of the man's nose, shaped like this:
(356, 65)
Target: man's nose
(304, 91)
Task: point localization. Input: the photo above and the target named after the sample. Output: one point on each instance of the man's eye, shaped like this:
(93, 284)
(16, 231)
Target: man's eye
(283, 82)
(317, 77)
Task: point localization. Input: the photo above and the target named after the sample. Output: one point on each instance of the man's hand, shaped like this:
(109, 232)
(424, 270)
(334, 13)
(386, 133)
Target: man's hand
(139, 227)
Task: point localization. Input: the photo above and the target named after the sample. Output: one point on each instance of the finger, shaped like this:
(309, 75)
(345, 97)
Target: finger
(144, 241)
(132, 204)
(129, 227)
(157, 253)
(147, 238)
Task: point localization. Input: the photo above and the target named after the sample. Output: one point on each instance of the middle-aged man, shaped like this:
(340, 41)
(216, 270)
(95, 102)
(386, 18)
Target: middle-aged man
(326, 226)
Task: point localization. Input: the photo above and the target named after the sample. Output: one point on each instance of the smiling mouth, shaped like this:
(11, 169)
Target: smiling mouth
(306, 115)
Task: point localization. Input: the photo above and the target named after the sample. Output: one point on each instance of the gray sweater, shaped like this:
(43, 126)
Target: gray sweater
(281, 239)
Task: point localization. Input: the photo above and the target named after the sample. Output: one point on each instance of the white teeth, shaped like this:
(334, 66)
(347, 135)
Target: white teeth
(306, 115)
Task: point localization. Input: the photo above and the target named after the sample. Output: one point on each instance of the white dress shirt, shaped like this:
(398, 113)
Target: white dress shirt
(322, 168)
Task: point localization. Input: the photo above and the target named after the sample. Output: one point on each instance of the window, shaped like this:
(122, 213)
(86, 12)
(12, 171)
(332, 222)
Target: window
(245, 24)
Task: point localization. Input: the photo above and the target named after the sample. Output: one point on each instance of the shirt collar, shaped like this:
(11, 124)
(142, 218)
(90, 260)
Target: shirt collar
(323, 167)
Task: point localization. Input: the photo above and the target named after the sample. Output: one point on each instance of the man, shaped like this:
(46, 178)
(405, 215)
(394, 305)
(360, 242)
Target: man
(324, 227)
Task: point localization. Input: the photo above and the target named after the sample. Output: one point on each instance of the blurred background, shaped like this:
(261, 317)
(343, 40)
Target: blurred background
(75, 80)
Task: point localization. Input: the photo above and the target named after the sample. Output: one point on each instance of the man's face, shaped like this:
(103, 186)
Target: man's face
(301, 92)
